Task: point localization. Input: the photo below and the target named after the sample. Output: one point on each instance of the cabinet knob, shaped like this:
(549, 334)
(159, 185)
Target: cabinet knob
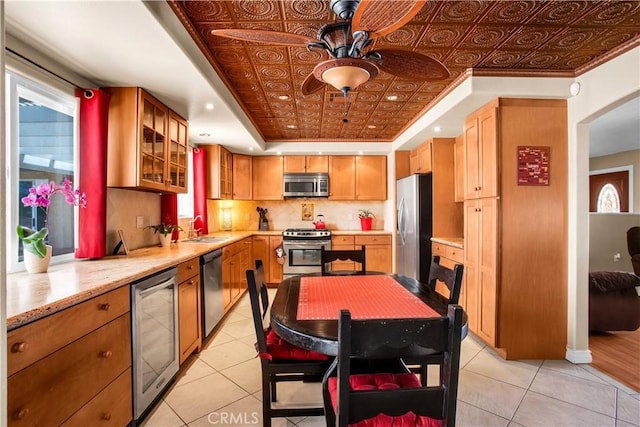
(106, 416)
(191, 282)
(189, 267)
(19, 347)
(106, 306)
(21, 413)
(106, 354)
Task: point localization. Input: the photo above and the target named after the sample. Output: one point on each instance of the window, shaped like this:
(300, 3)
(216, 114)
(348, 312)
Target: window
(41, 147)
(609, 191)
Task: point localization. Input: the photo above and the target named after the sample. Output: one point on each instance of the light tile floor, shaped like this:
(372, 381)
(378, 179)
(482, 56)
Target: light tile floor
(222, 387)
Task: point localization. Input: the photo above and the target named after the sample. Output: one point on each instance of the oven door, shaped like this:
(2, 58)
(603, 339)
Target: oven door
(155, 337)
(303, 256)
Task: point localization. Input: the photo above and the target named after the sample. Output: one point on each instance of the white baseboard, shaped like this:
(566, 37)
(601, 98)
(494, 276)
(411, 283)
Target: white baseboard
(578, 356)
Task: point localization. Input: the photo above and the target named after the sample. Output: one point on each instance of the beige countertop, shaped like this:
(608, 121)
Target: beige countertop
(32, 296)
(456, 242)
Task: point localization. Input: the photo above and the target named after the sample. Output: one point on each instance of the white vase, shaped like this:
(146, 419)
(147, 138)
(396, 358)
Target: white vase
(165, 241)
(35, 264)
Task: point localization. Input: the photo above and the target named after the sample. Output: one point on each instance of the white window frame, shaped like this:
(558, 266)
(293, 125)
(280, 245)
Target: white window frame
(21, 82)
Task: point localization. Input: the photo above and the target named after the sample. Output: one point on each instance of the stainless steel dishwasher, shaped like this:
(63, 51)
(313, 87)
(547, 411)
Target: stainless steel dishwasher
(211, 278)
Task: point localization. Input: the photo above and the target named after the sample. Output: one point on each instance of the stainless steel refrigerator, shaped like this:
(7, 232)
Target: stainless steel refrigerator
(414, 226)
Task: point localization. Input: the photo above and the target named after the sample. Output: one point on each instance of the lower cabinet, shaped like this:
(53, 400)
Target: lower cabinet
(84, 379)
(377, 248)
(264, 248)
(450, 256)
(275, 268)
(236, 259)
(190, 326)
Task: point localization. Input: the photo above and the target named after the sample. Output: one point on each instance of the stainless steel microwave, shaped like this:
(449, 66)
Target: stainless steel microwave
(306, 185)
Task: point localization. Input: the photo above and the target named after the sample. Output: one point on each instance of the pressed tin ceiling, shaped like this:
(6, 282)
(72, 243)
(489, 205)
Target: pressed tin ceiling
(494, 38)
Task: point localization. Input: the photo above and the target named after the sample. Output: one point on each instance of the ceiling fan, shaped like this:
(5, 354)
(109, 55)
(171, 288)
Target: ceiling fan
(347, 41)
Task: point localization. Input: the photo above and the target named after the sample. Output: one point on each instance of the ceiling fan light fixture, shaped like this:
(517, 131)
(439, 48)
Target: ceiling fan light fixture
(345, 74)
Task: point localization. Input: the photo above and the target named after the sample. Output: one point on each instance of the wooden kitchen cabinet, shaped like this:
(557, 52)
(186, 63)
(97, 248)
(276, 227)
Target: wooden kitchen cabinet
(275, 268)
(481, 153)
(306, 164)
(343, 243)
(267, 178)
(147, 143)
(260, 250)
(450, 256)
(236, 259)
(242, 173)
(459, 171)
(420, 159)
(219, 175)
(515, 245)
(190, 327)
(378, 251)
(357, 177)
(82, 353)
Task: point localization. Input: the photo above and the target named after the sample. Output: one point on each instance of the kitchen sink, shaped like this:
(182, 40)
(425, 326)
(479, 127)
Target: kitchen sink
(209, 239)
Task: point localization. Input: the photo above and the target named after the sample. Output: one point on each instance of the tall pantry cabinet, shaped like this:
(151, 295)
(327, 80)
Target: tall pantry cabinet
(515, 236)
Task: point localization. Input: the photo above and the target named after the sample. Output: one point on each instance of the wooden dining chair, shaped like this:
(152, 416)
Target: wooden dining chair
(452, 279)
(396, 396)
(357, 256)
(280, 360)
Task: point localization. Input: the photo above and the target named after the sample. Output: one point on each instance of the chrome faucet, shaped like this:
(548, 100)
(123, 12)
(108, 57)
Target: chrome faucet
(194, 232)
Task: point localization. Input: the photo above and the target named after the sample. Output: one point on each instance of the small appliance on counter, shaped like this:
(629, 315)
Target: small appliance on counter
(263, 224)
(319, 223)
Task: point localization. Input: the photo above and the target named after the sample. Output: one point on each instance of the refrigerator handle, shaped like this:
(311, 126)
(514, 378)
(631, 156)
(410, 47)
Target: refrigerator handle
(400, 221)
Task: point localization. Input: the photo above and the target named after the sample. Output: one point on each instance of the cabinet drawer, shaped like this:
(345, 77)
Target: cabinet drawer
(438, 249)
(188, 269)
(455, 254)
(52, 389)
(342, 240)
(32, 342)
(112, 407)
(373, 240)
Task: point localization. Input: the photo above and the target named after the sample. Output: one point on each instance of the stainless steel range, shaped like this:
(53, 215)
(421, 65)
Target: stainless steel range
(302, 250)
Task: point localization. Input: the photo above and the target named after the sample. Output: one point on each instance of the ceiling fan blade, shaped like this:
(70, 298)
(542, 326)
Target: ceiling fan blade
(410, 65)
(380, 18)
(264, 36)
(311, 84)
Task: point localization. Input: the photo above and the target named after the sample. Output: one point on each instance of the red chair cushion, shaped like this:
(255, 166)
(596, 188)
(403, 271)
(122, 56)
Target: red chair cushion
(381, 382)
(279, 349)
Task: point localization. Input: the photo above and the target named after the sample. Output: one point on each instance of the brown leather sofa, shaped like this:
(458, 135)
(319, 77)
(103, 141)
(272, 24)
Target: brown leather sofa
(614, 304)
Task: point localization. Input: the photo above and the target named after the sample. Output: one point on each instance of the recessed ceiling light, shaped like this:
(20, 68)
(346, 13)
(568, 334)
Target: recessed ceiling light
(283, 97)
(279, 153)
(437, 128)
(371, 126)
(209, 106)
(291, 126)
(392, 98)
(319, 152)
(361, 152)
(204, 135)
(250, 148)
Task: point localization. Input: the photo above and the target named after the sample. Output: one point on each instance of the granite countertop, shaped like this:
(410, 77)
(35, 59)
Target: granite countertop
(456, 242)
(360, 232)
(33, 296)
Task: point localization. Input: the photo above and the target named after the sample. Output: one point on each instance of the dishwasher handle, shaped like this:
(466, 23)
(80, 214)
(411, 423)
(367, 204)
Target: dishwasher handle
(210, 256)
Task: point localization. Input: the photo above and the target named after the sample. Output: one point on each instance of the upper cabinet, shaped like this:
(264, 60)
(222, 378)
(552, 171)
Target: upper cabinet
(302, 164)
(420, 159)
(267, 178)
(481, 154)
(242, 173)
(219, 172)
(357, 177)
(147, 143)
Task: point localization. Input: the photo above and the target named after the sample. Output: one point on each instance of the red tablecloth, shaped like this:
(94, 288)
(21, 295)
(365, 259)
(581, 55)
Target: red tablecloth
(366, 297)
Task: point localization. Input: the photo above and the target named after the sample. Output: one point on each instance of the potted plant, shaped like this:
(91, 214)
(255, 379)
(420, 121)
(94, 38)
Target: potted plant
(37, 253)
(166, 232)
(366, 219)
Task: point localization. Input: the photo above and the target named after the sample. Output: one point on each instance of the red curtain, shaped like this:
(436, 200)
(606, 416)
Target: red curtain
(169, 212)
(200, 190)
(92, 226)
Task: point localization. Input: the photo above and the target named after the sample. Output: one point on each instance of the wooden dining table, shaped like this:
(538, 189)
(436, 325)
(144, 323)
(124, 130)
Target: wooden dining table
(305, 309)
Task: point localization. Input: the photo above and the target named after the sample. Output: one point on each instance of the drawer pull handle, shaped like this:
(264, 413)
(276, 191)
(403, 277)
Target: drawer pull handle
(106, 354)
(190, 267)
(106, 416)
(21, 414)
(19, 347)
(106, 306)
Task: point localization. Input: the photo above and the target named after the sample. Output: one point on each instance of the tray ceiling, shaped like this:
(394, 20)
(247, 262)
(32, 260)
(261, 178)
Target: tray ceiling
(495, 38)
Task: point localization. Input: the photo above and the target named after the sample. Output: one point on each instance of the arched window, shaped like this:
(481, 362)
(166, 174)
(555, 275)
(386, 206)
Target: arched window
(608, 199)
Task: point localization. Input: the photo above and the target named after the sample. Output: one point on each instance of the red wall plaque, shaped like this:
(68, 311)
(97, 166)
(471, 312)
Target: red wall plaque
(533, 165)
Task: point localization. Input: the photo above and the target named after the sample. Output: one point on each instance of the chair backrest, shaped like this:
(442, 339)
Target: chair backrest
(355, 255)
(633, 240)
(392, 339)
(451, 278)
(259, 298)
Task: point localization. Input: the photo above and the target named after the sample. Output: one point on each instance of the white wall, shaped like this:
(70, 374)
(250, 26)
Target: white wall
(602, 89)
(608, 238)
